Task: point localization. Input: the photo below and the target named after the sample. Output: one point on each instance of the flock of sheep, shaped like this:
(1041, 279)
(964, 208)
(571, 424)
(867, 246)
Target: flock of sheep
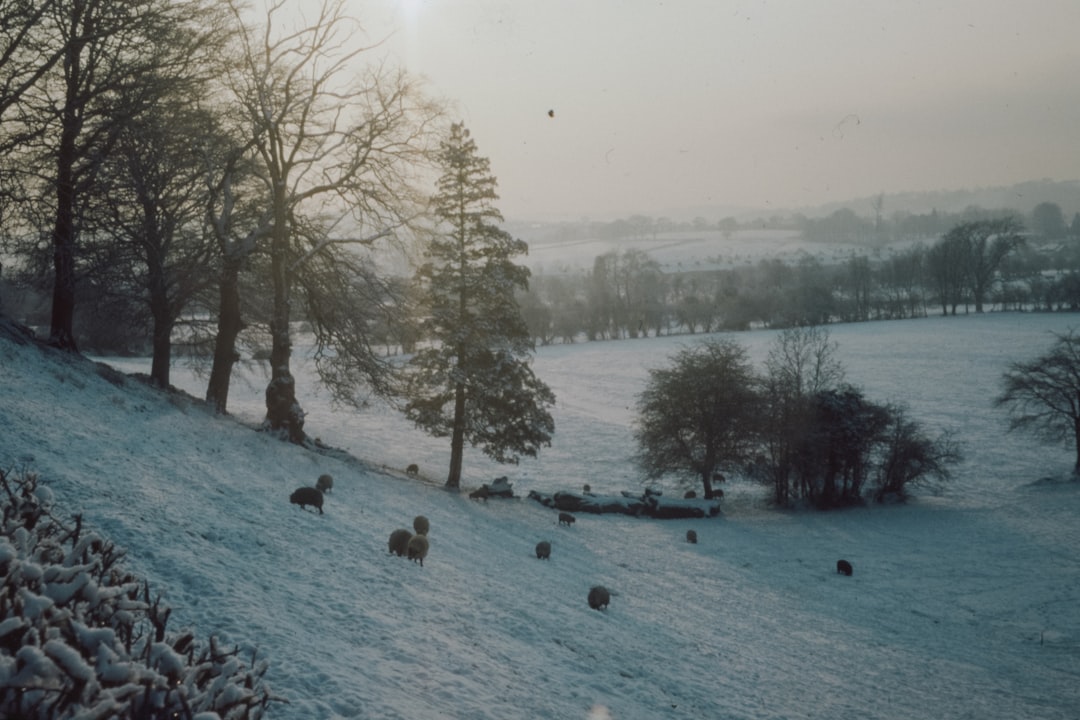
(599, 596)
(415, 547)
(414, 544)
(403, 543)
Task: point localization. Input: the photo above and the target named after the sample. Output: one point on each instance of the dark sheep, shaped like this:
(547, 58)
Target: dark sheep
(599, 597)
(413, 469)
(691, 537)
(480, 493)
(307, 496)
(689, 495)
(844, 567)
(420, 525)
(543, 550)
(418, 548)
(566, 519)
(399, 542)
(325, 483)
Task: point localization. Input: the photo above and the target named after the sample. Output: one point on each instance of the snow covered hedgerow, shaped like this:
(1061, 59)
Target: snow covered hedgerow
(81, 638)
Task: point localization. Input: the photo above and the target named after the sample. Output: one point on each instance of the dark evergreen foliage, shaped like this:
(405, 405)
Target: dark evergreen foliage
(472, 381)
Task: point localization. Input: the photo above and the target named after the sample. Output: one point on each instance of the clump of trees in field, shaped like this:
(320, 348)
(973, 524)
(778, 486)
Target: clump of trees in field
(798, 428)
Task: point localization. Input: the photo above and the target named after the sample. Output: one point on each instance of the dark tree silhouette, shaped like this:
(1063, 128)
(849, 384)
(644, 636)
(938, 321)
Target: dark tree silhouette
(473, 382)
(697, 416)
(337, 152)
(1042, 395)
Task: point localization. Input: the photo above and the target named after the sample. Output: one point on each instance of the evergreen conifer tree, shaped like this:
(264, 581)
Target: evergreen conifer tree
(472, 380)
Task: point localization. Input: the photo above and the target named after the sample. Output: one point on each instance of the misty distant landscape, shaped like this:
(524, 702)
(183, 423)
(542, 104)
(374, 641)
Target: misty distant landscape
(606, 360)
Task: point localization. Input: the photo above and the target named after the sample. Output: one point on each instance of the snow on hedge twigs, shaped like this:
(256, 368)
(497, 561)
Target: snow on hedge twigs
(80, 638)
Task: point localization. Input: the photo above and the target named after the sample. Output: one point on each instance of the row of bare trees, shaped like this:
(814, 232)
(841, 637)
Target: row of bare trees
(627, 294)
(211, 166)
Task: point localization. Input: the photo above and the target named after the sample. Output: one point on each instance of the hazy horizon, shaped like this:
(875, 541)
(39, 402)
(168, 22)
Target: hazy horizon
(756, 105)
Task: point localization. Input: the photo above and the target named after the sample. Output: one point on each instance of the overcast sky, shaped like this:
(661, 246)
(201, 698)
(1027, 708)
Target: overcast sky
(772, 104)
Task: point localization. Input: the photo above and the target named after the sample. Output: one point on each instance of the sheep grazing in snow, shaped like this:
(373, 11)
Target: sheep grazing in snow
(480, 493)
(599, 597)
(399, 541)
(844, 567)
(413, 469)
(689, 495)
(691, 537)
(566, 519)
(307, 496)
(543, 550)
(420, 525)
(417, 548)
(325, 483)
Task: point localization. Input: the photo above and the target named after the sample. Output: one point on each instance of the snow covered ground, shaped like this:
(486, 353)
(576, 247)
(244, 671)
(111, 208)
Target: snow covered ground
(965, 602)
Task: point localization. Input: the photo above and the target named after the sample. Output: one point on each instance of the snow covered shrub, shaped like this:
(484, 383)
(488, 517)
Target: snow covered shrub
(81, 638)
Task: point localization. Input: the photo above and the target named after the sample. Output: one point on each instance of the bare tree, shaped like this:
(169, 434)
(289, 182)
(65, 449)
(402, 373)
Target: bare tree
(947, 267)
(1042, 395)
(145, 238)
(150, 242)
(109, 50)
(336, 153)
(801, 365)
(802, 362)
(988, 242)
(28, 52)
(238, 224)
(910, 456)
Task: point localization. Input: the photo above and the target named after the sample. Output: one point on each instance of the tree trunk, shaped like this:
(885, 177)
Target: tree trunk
(162, 360)
(229, 327)
(457, 439)
(61, 331)
(283, 412)
(163, 326)
(1076, 439)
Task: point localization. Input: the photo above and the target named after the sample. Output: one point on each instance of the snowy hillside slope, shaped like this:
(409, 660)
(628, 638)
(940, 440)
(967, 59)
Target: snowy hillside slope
(965, 603)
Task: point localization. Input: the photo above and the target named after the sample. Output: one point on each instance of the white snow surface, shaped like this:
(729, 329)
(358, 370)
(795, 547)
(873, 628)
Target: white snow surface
(965, 601)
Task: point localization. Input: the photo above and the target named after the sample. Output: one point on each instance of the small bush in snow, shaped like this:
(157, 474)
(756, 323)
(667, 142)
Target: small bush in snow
(81, 638)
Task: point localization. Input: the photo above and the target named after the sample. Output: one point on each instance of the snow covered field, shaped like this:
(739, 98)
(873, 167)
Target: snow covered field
(965, 602)
(697, 250)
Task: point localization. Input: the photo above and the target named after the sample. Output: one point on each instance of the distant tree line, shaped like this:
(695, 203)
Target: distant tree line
(989, 263)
